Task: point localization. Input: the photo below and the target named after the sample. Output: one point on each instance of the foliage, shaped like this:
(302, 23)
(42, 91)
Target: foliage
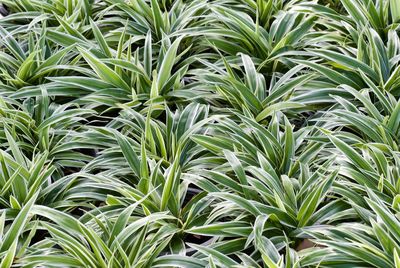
(200, 133)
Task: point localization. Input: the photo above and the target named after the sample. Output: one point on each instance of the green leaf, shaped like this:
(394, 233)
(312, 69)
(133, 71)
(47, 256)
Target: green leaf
(395, 10)
(103, 71)
(167, 63)
(18, 225)
(271, 109)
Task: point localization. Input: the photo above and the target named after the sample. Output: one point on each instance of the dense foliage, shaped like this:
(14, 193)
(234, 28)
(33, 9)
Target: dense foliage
(200, 133)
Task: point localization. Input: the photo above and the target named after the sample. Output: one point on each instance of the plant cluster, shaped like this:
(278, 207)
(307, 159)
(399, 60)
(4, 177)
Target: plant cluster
(200, 133)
